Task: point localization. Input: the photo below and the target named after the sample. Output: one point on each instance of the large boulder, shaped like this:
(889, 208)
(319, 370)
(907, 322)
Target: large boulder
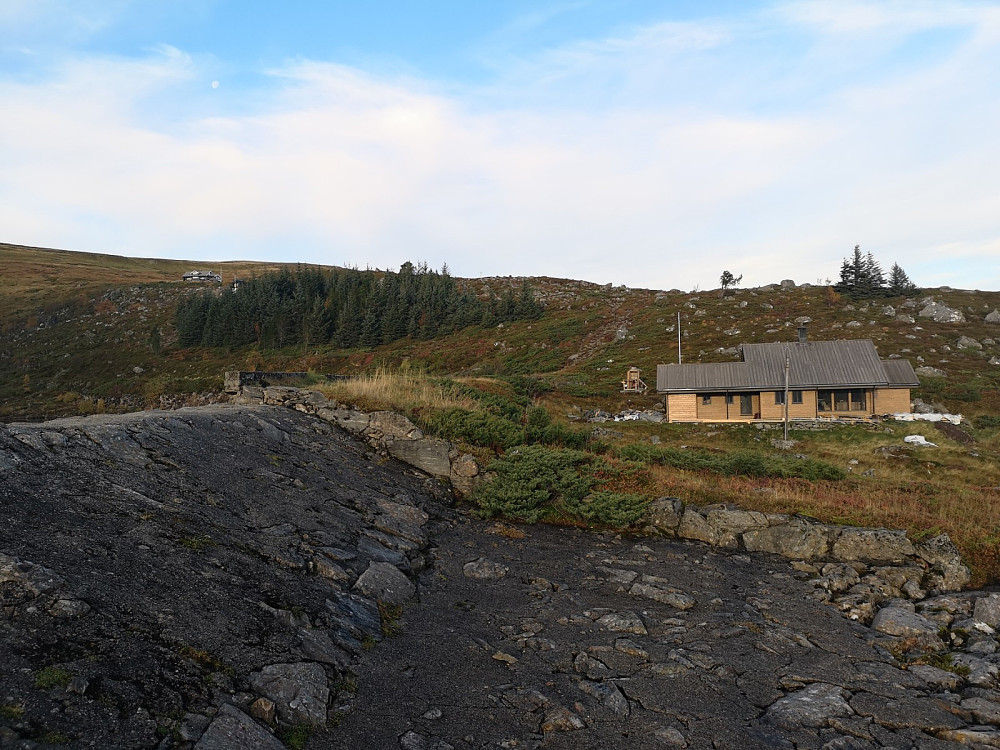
(812, 707)
(231, 729)
(299, 691)
(899, 621)
(967, 342)
(872, 545)
(431, 455)
(386, 583)
(797, 539)
(993, 317)
(941, 313)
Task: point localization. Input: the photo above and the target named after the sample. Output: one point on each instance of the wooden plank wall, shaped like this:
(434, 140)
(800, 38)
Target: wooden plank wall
(682, 407)
(771, 410)
(892, 400)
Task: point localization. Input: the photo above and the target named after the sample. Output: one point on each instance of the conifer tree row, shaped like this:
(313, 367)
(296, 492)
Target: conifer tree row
(344, 307)
(861, 277)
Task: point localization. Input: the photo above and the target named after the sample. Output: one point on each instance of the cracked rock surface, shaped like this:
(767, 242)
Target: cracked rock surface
(594, 640)
(235, 577)
(201, 577)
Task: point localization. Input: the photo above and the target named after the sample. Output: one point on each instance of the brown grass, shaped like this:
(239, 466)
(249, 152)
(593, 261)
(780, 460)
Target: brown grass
(969, 515)
(396, 390)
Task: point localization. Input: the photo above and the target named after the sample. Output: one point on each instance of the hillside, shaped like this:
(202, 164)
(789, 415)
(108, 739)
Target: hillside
(76, 340)
(84, 332)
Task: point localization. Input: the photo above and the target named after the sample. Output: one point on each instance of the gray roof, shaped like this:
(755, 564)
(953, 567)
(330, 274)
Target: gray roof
(900, 372)
(813, 364)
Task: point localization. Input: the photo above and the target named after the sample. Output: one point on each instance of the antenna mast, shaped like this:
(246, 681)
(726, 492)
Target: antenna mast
(787, 364)
(678, 337)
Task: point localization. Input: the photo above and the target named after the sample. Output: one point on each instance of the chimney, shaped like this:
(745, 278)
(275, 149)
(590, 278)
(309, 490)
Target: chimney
(802, 334)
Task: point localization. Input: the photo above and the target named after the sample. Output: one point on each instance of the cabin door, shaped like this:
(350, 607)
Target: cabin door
(746, 404)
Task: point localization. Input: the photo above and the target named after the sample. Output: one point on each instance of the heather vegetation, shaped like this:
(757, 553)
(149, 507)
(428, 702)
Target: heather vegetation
(746, 463)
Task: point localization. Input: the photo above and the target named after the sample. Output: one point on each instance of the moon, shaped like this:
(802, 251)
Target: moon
(215, 84)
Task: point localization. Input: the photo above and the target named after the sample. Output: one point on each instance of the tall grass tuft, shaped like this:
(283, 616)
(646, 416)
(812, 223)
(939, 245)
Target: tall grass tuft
(398, 391)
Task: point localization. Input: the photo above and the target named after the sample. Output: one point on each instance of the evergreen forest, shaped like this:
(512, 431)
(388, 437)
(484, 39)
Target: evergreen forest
(344, 307)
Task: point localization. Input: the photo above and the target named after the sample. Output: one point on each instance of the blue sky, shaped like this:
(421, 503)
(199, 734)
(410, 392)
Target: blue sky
(651, 144)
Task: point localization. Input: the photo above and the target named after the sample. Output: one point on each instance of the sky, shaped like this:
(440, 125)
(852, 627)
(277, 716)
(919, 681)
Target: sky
(648, 143)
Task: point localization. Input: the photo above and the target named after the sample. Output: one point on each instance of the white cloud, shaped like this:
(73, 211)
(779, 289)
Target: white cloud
(325, 163)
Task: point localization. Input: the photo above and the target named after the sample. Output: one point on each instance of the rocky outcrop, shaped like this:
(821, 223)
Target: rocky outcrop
(388, 432)
(208, 576)
(583, 643)
(855, 568)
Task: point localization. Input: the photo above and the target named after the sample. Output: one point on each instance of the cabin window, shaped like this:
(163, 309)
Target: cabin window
(706, 400)
(796, 397)
(857, 400)
(841, 400)
(779, 397)
(729, 399)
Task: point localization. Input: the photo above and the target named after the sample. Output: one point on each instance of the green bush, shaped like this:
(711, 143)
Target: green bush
(476, 428)
(535, 483)
(747, 464)
(503, 424)
(986, 422)
(609, 508)
(540, 428)
(529, 484)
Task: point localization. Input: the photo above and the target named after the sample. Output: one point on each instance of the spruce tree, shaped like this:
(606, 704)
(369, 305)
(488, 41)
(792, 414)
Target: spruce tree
(899, 282)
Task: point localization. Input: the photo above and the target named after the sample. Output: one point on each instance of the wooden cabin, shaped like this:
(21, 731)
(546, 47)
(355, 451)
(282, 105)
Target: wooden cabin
(826, 379)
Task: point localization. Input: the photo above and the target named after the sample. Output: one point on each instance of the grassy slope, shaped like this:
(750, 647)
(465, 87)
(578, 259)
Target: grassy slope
(78, 325)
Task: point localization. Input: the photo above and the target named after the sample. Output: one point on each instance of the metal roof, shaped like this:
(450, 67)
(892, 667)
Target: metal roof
(900, 372)
(812, 364)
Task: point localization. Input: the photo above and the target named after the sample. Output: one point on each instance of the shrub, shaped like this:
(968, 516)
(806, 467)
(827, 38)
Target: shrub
(476, 428)
(529, 482)
(617, 509)
(986, 422)
(502, 424)
(747, 464)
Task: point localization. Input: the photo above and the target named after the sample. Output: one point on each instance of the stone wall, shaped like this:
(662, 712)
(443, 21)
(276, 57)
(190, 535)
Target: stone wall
(855, 568)
(387, 432)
